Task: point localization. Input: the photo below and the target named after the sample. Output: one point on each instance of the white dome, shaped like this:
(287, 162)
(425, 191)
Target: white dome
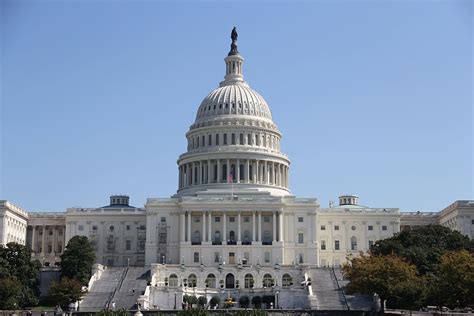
(233, 99)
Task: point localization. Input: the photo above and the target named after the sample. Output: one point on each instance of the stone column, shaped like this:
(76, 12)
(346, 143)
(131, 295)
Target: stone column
(228, 171)
(224, 218)
(274, 233)
(203, 234)
(189, 226)
(218, 171)
(247, 178)
(238, 228)
(183, 227)
(53, 245)
(208, 171)
(237, 170)
(43, 241)
(33, 233)
(209, 237)
(273, 174)
(267, 171)
(200, 173)
(260, 226)
(253, 227)
(257, 172)
(280, 222)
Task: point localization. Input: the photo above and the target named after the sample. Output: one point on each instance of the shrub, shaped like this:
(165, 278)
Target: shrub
(257, 301)
(244, 301)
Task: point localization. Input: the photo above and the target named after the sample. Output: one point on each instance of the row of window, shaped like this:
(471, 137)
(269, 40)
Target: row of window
(337, 244)
(112, 227)
(369, 227)
(259, 109)
(230, 282)
(234, 139)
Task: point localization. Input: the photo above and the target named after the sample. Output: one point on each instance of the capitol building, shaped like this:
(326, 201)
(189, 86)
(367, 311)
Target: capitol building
(233, 227)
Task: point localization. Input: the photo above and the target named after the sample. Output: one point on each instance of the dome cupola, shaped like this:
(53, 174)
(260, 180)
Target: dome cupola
(233, 139)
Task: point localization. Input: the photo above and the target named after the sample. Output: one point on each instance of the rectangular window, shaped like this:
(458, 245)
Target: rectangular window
(217, 219)
(203, 141)
(231, 257)
(300, 238)
(231, 219)
(336, 244)
(128, 244)
(267, 257)
(336, 227)
(80, 227)
(246, 219)
(300, 219)
(371, 227)
(225, 139)
(384, 227)
(209, 140)
(60, 232)
(128, 227)
(266, 219)
(94, 228)
(217, 139)
(196, 257)
(323, 244)
(472, 221)
(216, 257)
(163, 219)
(51, 233)
(162, 238)
(323, 227)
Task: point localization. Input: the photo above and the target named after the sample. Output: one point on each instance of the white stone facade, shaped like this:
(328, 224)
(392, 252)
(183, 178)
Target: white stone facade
(13, 223)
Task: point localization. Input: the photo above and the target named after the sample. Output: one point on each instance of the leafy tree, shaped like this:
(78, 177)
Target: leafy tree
(10, 292)
(257, 301)
(215, 300)
(77, 259)
(244, 301)
(423, 246)
(202, 301)
(454, 275)
(192, 300)
(66, 291)
(15, 262)
(390, 277)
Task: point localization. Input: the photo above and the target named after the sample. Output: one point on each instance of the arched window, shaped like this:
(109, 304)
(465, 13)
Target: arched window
(217, 139)
(233, 139)
(250, 172)
(209, 140)
(173, 280)
(241, 175)
(241, 139)
(286, 280)
(192, 280)
(249, 139)
(232, 235)
(232, 172)
(248, 281)
(229, 281)
(268, 280)
(211, 281)
(224, 172)
(353, 243)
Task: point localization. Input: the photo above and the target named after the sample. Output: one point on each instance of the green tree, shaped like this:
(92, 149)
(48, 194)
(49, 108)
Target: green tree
(423, 246)
(244, 301)
(77, 259)
(257, 301)
(15, 262)
(215, 300)
(454, 275)
(390, 277)
(192, 300)
(10, 292)
(202, 301)
(66, 291)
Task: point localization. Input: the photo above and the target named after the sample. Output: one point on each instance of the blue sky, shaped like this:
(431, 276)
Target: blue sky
(373, 98)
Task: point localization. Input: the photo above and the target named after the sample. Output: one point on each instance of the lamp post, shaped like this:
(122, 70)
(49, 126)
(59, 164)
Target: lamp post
(175, 294)
(276, 298)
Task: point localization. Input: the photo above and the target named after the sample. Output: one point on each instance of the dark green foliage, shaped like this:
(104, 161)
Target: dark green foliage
(108, 312)
(202, 301)
(257, 301)
(10, 292)
(66, 291)
(15, 263)
(244, 301)
(215, 300)
(193, 312)
(77, 259)
(192, 300)
(423, 246)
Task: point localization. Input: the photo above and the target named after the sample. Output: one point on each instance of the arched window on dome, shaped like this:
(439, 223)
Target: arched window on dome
(203, 141)
(195, 175)
(224, 172)
(241, 175)
(264, 141)
(251, 172)
(217, 139)
(241, 140)
(249, 139)
(257, 140)
(225, 139)
(197, 142)
(215, 173)
(233, 139)
(233, 173)
(209, 140)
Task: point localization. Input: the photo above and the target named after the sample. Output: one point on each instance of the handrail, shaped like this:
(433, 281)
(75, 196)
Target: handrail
(117, 287)
(340, 289)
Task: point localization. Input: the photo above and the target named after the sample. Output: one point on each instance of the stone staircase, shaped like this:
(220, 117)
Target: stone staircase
(326, 293)
(356, 302)
(102, 290)
(133, 285)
